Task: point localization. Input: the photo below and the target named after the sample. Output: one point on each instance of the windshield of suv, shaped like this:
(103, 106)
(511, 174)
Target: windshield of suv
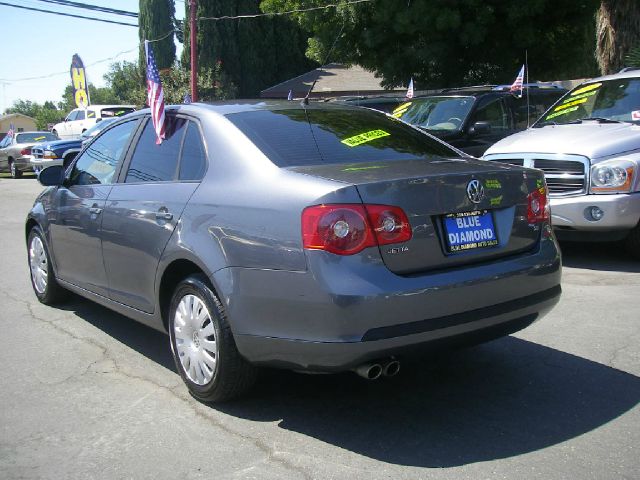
(608, 101)
(35, 137)
(436, 113)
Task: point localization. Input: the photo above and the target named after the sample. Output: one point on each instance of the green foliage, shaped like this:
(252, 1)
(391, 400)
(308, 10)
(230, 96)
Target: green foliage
(213, 84)
(156, 20)
(126, 82)
(253, 53)
(633, 58)
(441, 43)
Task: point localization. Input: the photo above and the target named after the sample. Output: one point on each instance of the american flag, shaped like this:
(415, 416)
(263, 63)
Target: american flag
(517, 84)
(409, 94)
(155, 95)
(12, 130)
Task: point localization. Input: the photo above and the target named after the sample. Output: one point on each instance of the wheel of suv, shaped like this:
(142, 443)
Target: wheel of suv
(43, 279)
(632, 242)
(202, 344)
(15, 173)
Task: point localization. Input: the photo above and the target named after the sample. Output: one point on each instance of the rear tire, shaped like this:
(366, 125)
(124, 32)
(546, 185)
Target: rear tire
(43, 279)
(203, 346)
(632, 242)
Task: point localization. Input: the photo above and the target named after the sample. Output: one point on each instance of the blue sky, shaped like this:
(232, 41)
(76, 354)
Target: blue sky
(38, 44)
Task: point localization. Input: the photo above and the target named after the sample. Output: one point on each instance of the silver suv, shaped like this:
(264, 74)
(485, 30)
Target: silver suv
(588, 145)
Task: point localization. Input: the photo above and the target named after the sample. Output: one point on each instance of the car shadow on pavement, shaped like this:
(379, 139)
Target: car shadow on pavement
(603, 256)
(501, 399)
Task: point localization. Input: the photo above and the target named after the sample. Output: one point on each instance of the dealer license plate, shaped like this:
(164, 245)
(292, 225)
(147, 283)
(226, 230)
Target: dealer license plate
(469, 230)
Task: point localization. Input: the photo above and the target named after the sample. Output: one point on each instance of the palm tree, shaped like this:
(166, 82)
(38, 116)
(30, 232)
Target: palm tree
(617, 32)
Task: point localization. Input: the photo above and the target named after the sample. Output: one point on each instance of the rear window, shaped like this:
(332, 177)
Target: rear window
(35, 137)
(115, 111)
(314, 137)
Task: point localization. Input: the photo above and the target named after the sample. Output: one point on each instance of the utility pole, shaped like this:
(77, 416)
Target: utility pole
(194, 50)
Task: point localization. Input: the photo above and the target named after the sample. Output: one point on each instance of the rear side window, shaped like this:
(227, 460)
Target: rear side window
(97, 164)
(157, 163)
(327, 136)
(115, 111)
(193, 163)
(80, 115)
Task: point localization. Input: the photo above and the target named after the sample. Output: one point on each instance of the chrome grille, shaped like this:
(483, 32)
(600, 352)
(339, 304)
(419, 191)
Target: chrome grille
(565, 174)
(37, 152)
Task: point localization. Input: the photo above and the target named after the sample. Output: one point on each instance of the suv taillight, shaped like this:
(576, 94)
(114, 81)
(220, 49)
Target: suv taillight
(538, 206)
(346, 229)
(25, 151)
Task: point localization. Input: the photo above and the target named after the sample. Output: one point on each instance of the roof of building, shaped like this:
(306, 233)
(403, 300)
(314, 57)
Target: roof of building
(333, 80)
(13, 115)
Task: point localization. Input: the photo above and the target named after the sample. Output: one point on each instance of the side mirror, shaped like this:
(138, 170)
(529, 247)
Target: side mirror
(480, 128)
(52, 176)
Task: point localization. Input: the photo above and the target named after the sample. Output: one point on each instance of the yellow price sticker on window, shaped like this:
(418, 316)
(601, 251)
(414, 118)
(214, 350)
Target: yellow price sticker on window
(37, 139)
(364, 138)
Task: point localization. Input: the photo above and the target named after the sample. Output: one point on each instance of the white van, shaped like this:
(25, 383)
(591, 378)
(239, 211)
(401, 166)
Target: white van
(588, 145)
(81, 119)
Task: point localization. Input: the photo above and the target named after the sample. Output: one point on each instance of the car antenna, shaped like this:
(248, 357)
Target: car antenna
(305, 100)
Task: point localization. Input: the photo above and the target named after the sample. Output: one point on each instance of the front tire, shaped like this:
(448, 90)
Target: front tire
(202, 344)
(43, 280)
(632, 242)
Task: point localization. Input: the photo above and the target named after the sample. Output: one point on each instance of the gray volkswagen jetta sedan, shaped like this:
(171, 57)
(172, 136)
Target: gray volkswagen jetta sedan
(318, 238)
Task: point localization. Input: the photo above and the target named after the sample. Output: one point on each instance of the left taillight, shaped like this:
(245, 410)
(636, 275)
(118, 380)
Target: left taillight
(538, 210)
(346, 229)
(25, 151)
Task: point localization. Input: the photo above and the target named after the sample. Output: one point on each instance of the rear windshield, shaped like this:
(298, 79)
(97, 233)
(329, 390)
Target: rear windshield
(35, 137)
(115, 111)
(314, 137)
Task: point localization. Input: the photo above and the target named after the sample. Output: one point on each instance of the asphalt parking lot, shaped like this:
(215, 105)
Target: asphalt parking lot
(86, 393)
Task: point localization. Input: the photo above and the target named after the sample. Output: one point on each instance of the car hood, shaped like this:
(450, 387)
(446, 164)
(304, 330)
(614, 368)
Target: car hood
(55, 144)
(592, 140)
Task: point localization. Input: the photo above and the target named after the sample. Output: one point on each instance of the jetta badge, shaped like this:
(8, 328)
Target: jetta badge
(475, 191)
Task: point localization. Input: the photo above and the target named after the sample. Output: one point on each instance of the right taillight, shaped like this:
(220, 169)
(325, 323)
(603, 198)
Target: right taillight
(346, 229)
(538, 210)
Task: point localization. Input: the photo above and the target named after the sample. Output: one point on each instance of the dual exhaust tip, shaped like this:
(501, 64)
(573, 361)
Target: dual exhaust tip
(375, 370)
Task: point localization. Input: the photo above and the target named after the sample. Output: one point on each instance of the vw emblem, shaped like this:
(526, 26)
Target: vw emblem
(475, 191)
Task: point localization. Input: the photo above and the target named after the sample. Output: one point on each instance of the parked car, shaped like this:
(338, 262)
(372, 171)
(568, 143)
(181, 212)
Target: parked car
(81, 119)
(473, 118)
(320, 238)
(588, 145)
(15, 151)
(62, 152)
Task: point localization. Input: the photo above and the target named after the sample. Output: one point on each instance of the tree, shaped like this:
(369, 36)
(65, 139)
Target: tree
(442, 43)
(126, 82)
(253, 53)
(156, 21)
(618, 31)
(43, 114)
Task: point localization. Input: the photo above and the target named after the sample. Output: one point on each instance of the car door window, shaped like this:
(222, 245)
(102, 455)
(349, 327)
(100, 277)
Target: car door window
(194, 161)
(72, 116)
(97, 164)
(495, 113)
(91, 114)
(157, 163)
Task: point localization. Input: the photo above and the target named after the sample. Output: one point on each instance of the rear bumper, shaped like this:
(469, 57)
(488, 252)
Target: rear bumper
(343, 315)
(23, 163)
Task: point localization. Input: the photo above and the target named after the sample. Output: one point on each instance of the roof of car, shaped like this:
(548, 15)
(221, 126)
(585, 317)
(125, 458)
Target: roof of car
(625, 73)
(229, 107)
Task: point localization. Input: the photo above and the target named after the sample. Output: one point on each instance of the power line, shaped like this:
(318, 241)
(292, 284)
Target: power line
(288, 12)
(87, 6)
(69, 15)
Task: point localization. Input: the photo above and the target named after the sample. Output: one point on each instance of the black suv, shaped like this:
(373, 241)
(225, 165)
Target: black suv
(474, 118)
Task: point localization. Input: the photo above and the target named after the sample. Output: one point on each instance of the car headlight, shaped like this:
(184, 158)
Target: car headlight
(614, 176)
(49, 155)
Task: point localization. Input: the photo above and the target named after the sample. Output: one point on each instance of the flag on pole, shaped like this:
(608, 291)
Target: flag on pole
(290, 96)
(187, 98)
(518, 83)
(410, 89)
(12, 130)
(155, 95)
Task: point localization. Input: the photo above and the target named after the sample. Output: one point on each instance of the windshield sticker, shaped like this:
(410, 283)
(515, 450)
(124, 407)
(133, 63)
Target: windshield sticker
(588, 88)
(570, 104)
(364, 138)
(635, 115)
(399, 111)
(91, 114)
(37, 139)
(576, 97)
(494, 202)
(492, 183)
(357, 169)
(562, 112)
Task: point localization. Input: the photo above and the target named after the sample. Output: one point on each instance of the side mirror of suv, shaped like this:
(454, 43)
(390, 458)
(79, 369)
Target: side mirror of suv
(480, 128)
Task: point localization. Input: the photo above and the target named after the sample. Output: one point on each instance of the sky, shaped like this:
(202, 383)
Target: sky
(41, 44)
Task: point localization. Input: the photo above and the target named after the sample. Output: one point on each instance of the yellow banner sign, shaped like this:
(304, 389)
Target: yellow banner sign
(79, 82)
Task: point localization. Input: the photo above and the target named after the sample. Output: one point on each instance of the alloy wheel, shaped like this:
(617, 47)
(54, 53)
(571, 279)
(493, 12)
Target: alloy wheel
(38, 264)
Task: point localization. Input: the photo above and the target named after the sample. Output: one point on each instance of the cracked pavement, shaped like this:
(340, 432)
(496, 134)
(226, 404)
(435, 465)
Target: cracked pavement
(87, 393)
